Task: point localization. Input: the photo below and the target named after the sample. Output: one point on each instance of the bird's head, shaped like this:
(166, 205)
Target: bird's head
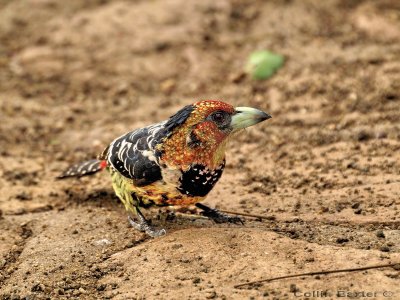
(202, 129)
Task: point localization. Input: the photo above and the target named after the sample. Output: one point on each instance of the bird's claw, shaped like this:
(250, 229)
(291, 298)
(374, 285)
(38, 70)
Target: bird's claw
(144, 226)
(217, 216)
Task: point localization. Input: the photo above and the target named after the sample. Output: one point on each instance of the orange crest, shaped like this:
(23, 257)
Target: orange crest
(206, 107)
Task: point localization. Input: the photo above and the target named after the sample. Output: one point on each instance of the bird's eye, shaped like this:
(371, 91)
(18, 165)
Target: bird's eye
(221, 118)
(218, 117)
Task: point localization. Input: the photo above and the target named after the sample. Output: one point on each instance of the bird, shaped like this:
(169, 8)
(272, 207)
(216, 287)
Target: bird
(176, 162)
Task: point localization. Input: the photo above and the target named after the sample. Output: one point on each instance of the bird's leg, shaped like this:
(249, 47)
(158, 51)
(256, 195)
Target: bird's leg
(217, 216)
(143, 225)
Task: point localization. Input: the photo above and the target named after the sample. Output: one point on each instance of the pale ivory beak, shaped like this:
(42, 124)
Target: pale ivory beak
(247, 116)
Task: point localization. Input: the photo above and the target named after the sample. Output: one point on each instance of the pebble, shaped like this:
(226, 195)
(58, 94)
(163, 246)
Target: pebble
(381, 135)
(102, 242)
(38, 287)
(168, 86)
(385, 248)
(23, 196)
(211, 294)
(363, 136)
(342, 240)
(2, 263)
(293, 288)
(176, 246)
(196, 280)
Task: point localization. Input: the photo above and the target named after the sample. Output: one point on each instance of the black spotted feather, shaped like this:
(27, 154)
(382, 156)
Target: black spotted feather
(133, 155)
(199, 180)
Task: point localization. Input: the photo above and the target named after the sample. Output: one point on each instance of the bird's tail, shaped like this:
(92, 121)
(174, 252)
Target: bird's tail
(84, 168)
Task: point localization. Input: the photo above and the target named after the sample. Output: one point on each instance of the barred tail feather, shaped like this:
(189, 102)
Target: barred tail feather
(84, 168)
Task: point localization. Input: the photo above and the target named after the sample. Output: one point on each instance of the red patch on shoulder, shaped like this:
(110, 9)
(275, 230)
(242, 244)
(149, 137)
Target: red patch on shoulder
(103, 164)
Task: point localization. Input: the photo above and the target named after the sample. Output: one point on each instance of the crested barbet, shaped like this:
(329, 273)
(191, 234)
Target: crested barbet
(172, 163)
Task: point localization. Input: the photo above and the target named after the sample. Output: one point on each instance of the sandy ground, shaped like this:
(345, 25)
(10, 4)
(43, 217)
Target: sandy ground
(325, 170)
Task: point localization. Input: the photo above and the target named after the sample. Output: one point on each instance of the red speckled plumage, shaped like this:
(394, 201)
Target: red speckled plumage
(211, 151)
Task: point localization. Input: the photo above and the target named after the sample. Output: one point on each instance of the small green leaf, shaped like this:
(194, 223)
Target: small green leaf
(263, 64)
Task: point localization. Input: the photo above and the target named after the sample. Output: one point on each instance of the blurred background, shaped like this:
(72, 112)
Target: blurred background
(76, 74)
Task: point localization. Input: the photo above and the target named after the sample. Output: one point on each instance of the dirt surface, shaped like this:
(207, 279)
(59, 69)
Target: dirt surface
(325, 169)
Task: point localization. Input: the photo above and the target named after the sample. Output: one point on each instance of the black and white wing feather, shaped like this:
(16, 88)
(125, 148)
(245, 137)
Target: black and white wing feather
(133, 154)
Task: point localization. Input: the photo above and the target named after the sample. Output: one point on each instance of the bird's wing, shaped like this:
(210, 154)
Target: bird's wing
(133, 155)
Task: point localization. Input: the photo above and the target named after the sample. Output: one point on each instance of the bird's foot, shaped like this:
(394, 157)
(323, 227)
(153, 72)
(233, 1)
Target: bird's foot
(143, 225)
(217, 216)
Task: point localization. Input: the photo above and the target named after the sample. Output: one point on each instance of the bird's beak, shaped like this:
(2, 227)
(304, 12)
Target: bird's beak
(246, 117)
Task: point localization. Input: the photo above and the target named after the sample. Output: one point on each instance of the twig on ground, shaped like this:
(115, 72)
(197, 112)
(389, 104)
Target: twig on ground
(392, 224)
(394, 265)
(270, 218)
(190, 216)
